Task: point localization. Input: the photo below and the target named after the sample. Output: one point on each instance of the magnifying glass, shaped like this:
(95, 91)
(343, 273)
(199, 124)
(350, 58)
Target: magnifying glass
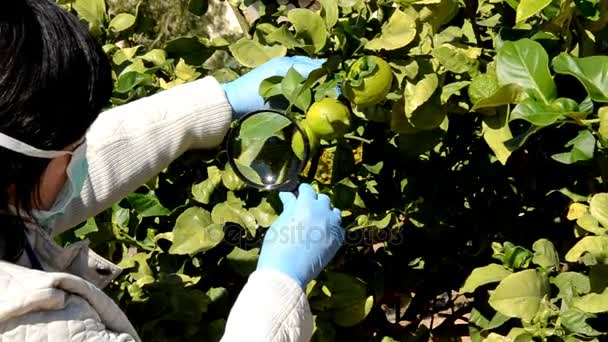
(268, 150)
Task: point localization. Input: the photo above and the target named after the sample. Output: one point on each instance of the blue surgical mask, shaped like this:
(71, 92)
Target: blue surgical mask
(77, 171)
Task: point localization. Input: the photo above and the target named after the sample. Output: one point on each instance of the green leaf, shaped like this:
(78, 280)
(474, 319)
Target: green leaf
(122, 22)
(480, 276)
(89, 227)
(576, 321)
(233, 211)
(417, 94)
(243, 262)
(590, 224)
(271, 87)
(354, 314)
(195, 232)
(520, 294)
(346, 290)
(526, 64)
(253, 54)
(592, 302)
(583, 148)
(497, 321)
(185, 72)
(592, 72)
(295, 89)
(512, 256)
(198, 7)
(120, 216)
(136, 66)
(529, 8)
(230, 180)
(545, 254)
(329, 12)
(264, 213)
(571, 284)
(156, 56)
(147, 205)
(130, 80)
(93, 11)
(125, 54)
(458, 60)
(452, 89)
(262, 126)
(202, 191)
(192, 49)
(429, 115)
(598, 207)
(505, 95)
(310, 27)
(597, 246)
(397, 32)
(285, 38)
(496, 132)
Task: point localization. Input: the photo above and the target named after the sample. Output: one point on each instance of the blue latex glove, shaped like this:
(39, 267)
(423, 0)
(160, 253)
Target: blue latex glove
(305, 237)
(244, 92)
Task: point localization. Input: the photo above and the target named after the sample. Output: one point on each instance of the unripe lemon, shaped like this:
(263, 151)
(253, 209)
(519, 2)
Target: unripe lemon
(328, 119)
(368, 82)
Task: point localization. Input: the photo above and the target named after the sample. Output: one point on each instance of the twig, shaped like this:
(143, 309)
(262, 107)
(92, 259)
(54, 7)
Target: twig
(242, 21)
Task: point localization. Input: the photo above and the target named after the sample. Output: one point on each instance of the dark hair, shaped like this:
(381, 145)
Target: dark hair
(54, 81)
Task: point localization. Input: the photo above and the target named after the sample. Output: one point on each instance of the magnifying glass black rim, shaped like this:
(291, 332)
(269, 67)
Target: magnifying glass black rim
(235, 168)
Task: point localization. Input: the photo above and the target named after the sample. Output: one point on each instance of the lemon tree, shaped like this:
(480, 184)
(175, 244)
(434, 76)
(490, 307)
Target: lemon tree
(464, 142)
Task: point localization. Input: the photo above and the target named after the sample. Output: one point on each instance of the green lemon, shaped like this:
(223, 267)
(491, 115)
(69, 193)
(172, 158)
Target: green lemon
(328, 119)
(369, 80)
(482, 87)
(297, 143)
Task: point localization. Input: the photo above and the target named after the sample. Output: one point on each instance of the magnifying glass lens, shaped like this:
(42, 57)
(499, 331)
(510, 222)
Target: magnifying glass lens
(261, 150)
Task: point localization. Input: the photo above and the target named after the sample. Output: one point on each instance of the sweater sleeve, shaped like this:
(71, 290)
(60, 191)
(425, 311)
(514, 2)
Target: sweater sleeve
(271, 307)
(130, 144)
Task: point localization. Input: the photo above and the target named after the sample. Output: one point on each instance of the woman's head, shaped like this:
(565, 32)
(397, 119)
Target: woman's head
(54, 81)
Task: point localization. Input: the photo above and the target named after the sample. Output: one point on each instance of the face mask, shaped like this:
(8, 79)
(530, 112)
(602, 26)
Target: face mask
(76, 171)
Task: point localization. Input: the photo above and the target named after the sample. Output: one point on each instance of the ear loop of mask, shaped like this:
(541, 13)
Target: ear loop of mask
(28, 150)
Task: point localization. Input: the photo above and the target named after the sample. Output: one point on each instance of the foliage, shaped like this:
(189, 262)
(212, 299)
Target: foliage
(493, 125)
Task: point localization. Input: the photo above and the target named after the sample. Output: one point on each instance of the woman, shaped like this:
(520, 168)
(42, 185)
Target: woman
(64, 162)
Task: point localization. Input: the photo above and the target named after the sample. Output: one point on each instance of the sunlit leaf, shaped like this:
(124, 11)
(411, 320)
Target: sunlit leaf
(397, 32)
(598, 207)
(252, 54)
(520, 294)
(529, 8)
(597, 246)
(418, 93)
(545, 254)
(592, 72)
(202, 191)
(525, 63)
(496, 132)
(122, 22)
(195, 232)
(147, 205)
(583, 148)
(480, 276)
(310, 27)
